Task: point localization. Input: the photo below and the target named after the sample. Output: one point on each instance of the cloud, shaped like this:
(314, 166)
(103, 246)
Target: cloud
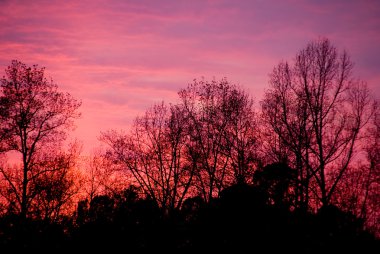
(120, 57)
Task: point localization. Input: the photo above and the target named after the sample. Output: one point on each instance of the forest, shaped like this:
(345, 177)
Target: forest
(297, 171)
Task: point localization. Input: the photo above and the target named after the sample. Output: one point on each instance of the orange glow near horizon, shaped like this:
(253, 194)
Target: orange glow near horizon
(120, 57)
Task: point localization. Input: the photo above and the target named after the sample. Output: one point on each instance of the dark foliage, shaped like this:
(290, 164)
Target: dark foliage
(241, 220)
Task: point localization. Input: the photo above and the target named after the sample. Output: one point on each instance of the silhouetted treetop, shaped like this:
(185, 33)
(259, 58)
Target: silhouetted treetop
(319, 111)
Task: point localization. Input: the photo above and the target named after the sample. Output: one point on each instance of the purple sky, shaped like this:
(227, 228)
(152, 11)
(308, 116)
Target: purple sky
(120, 57)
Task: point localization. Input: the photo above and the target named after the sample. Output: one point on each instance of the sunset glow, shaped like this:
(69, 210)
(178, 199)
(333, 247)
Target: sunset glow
(120, 57)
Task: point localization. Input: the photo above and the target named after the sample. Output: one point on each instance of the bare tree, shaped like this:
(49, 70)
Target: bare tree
(221, 126)
(241, 134)
(102, 176)
(359, 190)
(53, 192)
(154, 153)
(370, 207)
(318, 110)
(34, 115)
(286, 113)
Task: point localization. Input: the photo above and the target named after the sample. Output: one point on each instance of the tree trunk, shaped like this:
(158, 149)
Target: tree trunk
(24, 200)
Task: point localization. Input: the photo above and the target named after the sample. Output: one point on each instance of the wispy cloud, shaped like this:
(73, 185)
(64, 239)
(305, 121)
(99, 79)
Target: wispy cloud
(119, 57)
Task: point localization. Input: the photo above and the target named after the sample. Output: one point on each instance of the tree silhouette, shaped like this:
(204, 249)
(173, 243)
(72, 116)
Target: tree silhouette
(54, 190)
(34, 117)
(153, 153)
(359, 190)
(221, 128)
(370, 206)
(102, 176)
(319, 111)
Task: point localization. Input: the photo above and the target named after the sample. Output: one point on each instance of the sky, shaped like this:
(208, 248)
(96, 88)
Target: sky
(121, 57)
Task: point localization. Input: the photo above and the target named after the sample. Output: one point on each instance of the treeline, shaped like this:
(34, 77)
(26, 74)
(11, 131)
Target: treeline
(300, 172)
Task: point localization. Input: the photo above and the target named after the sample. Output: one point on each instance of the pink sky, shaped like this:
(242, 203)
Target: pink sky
(120, 57)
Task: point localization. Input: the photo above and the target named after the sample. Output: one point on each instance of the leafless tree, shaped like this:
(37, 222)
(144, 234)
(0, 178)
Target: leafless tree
(370, 208)
(285, 112)
(241, 134)
(33, 116)
(154, 153)
(54, 191)
(359, 190)
(220, 124)
(318, 110)
(101, 176)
